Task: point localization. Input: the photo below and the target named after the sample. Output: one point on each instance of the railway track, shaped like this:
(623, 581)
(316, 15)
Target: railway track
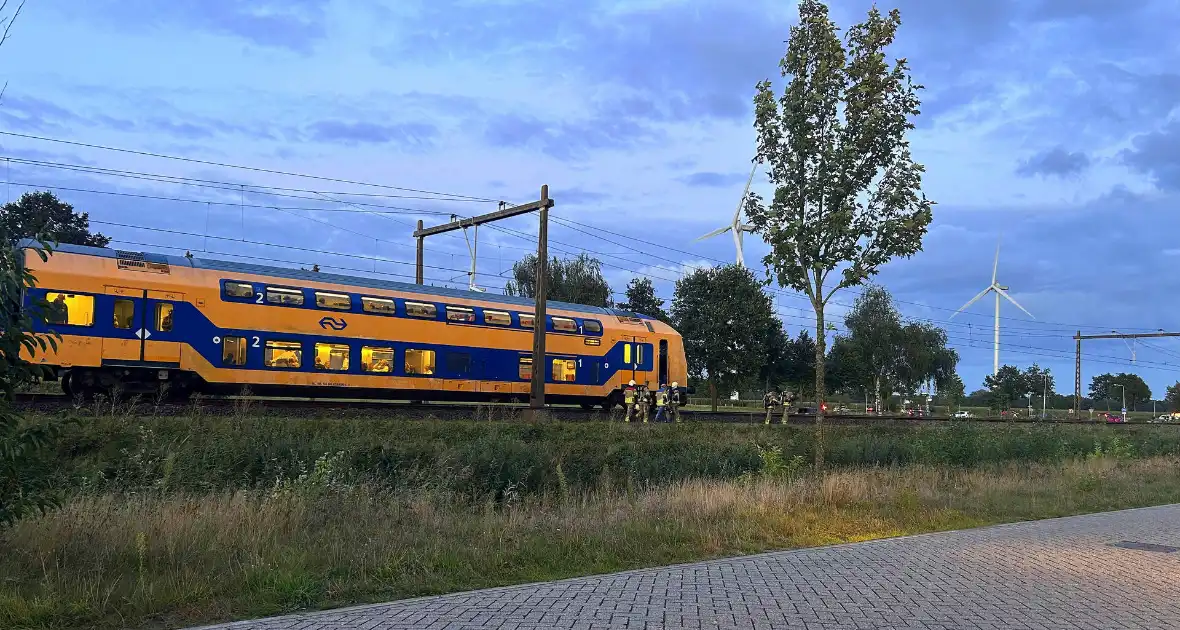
(286, 407)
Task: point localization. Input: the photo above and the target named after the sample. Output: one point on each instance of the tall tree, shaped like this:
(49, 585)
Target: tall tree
(1006, 386)
(1173, 397)
(1110, 387)
(42, 214)
(641, 298)
(801, 364)
(723, 316)
(873, 347)
(577, 280)
(776, 369)
(847, 190)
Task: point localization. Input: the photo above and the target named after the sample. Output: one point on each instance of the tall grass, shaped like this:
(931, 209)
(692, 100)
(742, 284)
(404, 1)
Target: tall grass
(481, 459)
(149, 559)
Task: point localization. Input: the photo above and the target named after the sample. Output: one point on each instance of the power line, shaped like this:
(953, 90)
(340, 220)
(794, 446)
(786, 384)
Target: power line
(254, 169)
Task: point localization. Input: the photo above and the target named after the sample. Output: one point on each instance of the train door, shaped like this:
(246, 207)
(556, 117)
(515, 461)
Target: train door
(125, 342)
(663, 362)
(633, 357)
(161, 336)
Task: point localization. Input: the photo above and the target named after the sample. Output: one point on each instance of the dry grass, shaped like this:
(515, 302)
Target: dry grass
(152, 560)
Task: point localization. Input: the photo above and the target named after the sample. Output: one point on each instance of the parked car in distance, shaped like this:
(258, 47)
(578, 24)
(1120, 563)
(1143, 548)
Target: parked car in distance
(1113, 418)
(962, 414)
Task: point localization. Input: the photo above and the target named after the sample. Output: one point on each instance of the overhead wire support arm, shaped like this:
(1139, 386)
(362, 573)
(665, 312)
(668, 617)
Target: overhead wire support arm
(1077, 379)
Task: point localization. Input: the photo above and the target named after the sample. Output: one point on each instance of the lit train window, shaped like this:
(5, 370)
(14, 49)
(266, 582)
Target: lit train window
(279, 295)
(418, 309)
(457, 314)
(124, 313)
(526, 321)
(564, 324)
(282, 354)
(376, 359)
(378, 305)
(333, 300)
(239, 290)
(627, 353)
(163, 317)
(592, 326)
(69, 309)
(233, 350)
(420, 362)
(526, 368)
(497, 318)
(331, 356)
(564, 370)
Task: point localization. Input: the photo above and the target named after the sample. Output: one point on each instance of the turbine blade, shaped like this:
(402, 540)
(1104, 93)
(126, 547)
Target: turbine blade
(738, 213)
(996, 266)
(971, 301)
(718, 231)
(1009, 298)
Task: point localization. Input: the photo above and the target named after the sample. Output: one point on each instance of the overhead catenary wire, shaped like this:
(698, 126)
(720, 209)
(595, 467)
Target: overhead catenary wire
(254, 169)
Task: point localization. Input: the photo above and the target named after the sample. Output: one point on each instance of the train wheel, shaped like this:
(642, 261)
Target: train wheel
(66, 387)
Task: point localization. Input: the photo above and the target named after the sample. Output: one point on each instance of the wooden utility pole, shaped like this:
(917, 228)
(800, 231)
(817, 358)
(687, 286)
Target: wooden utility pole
(537, 392)
(1077, 378)
(418, 259)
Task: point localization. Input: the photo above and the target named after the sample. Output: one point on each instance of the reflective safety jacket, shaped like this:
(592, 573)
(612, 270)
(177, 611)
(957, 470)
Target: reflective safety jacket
(661, 397)
(629, 395)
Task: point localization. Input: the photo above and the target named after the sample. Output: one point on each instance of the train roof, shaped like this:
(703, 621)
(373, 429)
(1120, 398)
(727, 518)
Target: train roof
(287, 273)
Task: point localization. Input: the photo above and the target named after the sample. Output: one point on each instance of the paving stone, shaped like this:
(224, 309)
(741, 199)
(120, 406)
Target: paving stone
(1059, 573)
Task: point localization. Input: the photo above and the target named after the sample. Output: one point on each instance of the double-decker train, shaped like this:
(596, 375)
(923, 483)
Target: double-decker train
(152, 323)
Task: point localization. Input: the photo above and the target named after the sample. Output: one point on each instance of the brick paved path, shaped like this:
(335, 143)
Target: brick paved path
(1060, 573)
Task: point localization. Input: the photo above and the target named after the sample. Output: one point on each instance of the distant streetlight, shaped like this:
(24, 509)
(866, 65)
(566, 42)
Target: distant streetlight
(1124, 399)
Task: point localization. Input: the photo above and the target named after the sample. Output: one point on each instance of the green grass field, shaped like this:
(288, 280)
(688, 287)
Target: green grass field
(176, 521)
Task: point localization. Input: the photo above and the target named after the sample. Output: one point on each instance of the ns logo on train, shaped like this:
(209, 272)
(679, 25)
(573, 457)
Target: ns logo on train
(333, 323)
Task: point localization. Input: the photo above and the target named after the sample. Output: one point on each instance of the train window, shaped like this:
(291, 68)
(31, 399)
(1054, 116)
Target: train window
(526, 368)
(627, 353)
(377, 359)
(70, 309)
(459, 314)
(526, 320)
(592, 325)
(564, 324)
(497, 318)
(418, 309)
(378, 305)
(163, 317)
(638, 353)
(331, 356)
(564, 370)
(239, 289)
(282, 354)
(124, 313)
(458, 362)
(279, 295)
(333, 300)
(420, 362)
(233, 350)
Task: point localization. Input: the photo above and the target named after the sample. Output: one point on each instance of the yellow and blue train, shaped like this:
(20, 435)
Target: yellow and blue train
(145, 322)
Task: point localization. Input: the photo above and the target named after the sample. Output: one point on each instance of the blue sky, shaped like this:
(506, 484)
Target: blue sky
(1050, 123)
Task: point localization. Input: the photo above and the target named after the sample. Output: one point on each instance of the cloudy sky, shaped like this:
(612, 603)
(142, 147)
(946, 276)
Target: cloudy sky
(1049, 124)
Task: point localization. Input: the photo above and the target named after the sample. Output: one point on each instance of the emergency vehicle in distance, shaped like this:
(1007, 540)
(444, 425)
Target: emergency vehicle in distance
(135, 321)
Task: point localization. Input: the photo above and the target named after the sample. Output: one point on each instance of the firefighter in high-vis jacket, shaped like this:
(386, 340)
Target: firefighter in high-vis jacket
(788, 399)
(662, 404)
(644, 402)
(630, 401)
(769, 400)
(674, 402)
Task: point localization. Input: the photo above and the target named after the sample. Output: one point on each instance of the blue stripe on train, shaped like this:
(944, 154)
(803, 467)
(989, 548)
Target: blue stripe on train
(192, 327)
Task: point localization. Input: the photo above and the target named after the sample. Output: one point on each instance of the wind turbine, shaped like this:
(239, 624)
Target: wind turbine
(736, 227)
(999, 290)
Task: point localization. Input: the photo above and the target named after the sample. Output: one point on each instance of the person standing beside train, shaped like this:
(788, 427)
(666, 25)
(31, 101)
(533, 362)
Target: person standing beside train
(644, 402)
(662, 404)
(674, 402)
(769, 400)
(630, 401)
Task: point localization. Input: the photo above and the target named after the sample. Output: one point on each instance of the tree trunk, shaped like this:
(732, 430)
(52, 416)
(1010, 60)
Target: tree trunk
(819, 385)
(713, 394)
